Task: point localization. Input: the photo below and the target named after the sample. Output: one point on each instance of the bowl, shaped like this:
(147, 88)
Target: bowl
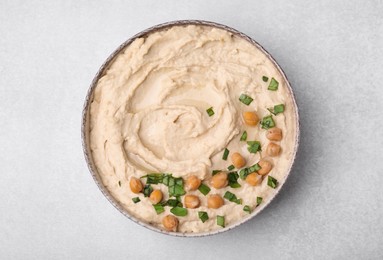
(85, 125)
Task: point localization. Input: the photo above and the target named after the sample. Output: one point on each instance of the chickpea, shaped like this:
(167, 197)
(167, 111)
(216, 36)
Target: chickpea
(155, 197)
(214, 201)
(253, 179)
(273, 149)
(238, 160)
(274, 134)
(191, 201)
(250, 118)
(192, 182)
(219, 180)
(265, 167)
(135, 185)
(170, 223)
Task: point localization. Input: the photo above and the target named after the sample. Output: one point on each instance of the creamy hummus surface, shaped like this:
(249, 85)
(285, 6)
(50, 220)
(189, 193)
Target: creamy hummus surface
(172, 103)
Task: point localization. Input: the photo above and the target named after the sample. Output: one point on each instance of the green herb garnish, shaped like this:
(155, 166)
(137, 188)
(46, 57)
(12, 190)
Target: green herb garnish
(214, 172)
(204, 189)
(221, 221)
(277, 109)
(259, 201)
(245, 99)
(203, 216)
(265, 79)
(210, 111)
(173, 203)
(159, 208)
(246, 171)
(231, 197)
(119, 183)
(247, 209)
(230, 168)
(136, 200)
(243, 136)
(154, 178)
(147, 190)
(225, 154)
(254, 146)
(273, 85)
(272, 182)
(233, 180)
(267, 122)
(175, 185)
(178, 211)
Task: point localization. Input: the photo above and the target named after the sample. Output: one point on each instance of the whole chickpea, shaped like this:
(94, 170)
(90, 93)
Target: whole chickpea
(219, 180)
(214, 201)
(237, 160)
(191, 201)
(253, 179)
(170, 223)
(265, 167)
(135, 185)
(192, 182)
(273, 149)
(274, 134)
(250, 118)
(155, 197)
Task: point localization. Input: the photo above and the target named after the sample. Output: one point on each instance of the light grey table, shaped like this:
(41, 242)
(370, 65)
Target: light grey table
(330, 208)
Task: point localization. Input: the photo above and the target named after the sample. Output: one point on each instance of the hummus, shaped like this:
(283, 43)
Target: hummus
(149, 115)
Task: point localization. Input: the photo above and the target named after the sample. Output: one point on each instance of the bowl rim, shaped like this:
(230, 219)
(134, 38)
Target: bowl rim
(85, 125)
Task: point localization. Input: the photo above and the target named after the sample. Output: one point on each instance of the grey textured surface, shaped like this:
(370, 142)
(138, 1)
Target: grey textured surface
(330, 208)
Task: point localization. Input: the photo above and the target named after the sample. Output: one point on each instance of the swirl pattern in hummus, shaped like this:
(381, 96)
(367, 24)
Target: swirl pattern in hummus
(148, 114)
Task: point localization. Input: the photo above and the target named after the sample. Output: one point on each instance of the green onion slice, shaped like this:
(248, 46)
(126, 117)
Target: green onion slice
(265, 79)
(225, 154)
(277, 109)
(243, 136)
(204, 189)
(272, 182)
(210, 111)
(159, 208)
(231, 197)
(245, 99)
(246, 171)
(231, 167)
(136, 200)
(267, 122)
(203, 216)
(247, 209)
(273, 85)
(178, 211)
(254, 146)
(221, 221)
(233, 180)
(259, 200)
(147, 190)
(214, 172)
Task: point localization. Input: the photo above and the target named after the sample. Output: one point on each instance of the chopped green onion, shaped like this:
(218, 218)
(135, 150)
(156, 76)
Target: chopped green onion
(244, 136)
(154, 178)
(178, 211)
(247, 209)
(175, 185)
(259, 201)
(246, 171)
(267, 122)
(225, 154)
(265, 79)
(215, 172)
(245, 99)
(233, 180)
(277, 109)
(231, 167)
(203, 216)
(273, 85)
(204, 189)
(119, 183)
(272, 182)
(159, 208)
(231, 197)
(136, 199)
(210, 111)
(173, 203)
(147, 190)
(254, 146)
(221, 221)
